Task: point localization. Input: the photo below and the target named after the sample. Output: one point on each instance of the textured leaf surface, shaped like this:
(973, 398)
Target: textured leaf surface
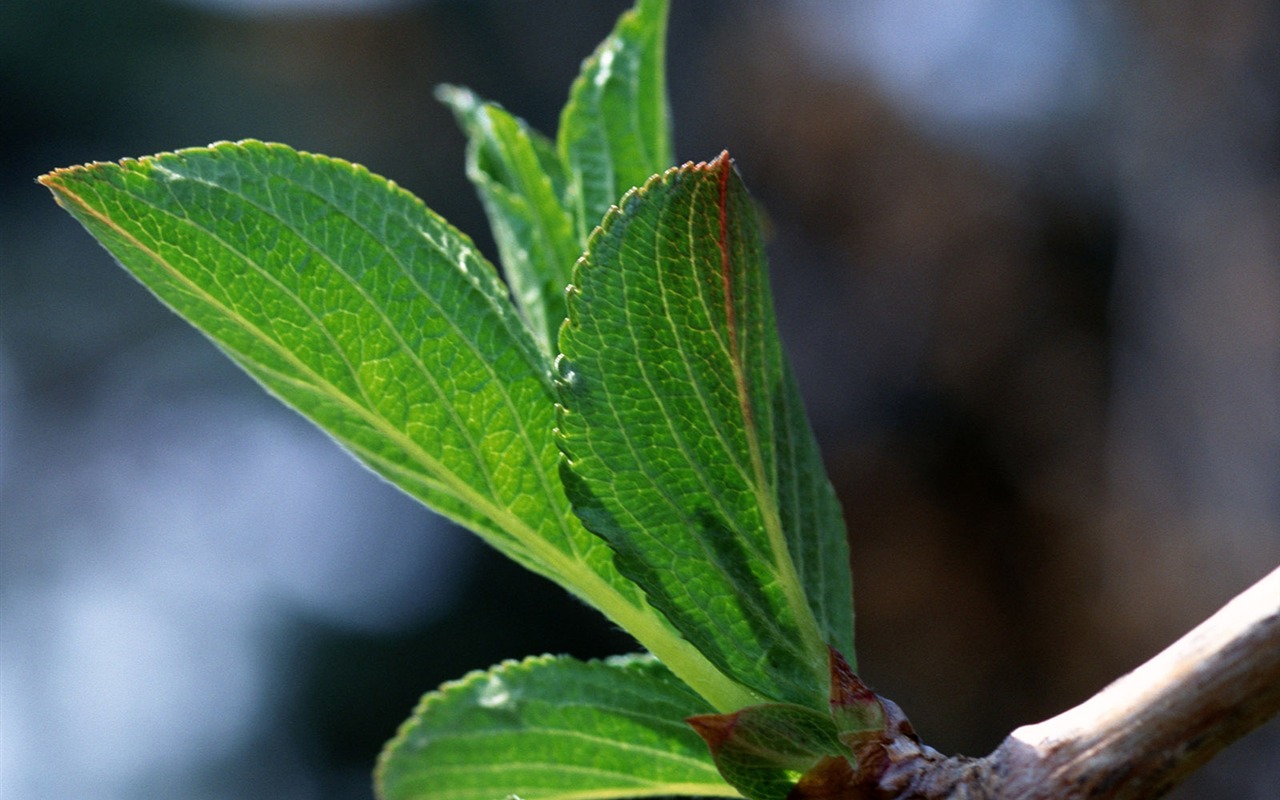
(518, 176)
(688, 448)
(615, 131)
(764, 750)
(354, 303)
(553, 729)
(349, 299)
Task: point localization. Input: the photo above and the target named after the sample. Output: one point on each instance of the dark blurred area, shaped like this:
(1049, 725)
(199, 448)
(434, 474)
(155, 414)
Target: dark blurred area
(1027, 263)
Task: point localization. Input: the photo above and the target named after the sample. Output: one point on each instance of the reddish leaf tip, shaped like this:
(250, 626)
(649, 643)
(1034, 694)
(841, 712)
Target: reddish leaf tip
(847, 689)
(715, 729)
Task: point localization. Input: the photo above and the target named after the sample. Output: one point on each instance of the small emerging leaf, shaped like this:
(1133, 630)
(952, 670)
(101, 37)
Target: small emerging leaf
(615, 130)
(856, 709)
(520, 180)
(763, 751)
(553, 729)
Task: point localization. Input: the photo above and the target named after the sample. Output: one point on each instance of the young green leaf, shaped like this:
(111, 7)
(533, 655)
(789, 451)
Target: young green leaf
(687, 446)
(346, 297)
(553, 729)
(615, 130)
(763, 751)
(351, 301)
(518, 176)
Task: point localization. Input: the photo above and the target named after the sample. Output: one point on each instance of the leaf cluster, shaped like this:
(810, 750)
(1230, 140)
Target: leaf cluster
(637, 438)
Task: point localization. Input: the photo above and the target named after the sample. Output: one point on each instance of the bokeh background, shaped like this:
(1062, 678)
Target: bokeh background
(1027, 261)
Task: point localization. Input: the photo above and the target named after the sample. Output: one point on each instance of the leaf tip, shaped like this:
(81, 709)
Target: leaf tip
(55, 179)
(854, 706)
(715, 729)
(450, 94)
(722, 163)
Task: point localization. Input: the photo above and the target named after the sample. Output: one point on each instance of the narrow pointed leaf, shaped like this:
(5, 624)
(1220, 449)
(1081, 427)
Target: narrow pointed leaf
(521, 183)
(615, 131)
(346, 297)
(553, 729)
(687, 446)
(351, 301)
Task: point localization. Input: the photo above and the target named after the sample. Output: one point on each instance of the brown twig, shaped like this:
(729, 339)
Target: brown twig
(1137, 738)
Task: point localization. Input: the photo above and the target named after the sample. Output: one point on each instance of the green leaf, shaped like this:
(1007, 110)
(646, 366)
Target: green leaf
(686, 442)
(350, 300)
(355, 304)
(553, 729)
(615, 130)
(518, 176)
(763, 751)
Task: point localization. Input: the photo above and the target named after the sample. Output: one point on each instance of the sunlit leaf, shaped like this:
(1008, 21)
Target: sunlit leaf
(521, 183)
(687, 444)
(355, 304)
(615, 131)
(553, 729)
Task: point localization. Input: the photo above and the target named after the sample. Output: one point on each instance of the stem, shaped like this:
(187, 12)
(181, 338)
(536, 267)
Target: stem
(1137, 738)
(1145, 733)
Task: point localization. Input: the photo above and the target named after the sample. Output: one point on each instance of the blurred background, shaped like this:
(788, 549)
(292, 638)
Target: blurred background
(1027, 263)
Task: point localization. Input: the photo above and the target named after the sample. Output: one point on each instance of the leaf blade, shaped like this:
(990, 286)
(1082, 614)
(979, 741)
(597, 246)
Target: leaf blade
(386, 328)
(553, 728)
(615, 130)
(686, 445)
(254, 245)
(520, 180)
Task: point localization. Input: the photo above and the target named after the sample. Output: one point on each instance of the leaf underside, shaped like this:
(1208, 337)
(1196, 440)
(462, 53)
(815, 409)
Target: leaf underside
(346, 297)
(355, 304)
(678, 488)
(553, 728)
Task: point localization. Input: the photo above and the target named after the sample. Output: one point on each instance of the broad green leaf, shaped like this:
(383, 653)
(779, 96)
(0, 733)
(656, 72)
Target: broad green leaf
(553, 729)
(687, 446)
(351, 301)
(763, 751)
(615, 131)
(518, 176)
